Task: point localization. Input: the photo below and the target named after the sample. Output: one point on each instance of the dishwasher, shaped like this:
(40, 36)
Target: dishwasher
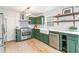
(54, 40)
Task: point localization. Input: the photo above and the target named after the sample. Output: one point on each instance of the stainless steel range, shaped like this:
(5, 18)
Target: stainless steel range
(26, 33)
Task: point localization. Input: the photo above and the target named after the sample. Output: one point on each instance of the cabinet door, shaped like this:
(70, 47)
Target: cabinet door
(33, 33)
(41, 37)
(46, 38)
(33, 20)
(60, 42)
(18, 35)
(72, 41)
(71, 46)
(36, 33)
(39, 20)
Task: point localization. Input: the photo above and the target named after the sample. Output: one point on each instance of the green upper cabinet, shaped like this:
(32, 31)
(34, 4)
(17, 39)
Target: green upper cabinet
(40, 20)
(37, 20)
(33, 20)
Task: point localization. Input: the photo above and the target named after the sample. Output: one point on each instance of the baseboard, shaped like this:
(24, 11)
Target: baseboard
(11, 41)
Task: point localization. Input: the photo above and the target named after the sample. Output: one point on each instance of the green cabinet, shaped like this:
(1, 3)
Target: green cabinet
(45, 38)
(37, 20)
(40, 36)
(18, 35)
(36, 33)
(63, 42)
(40, 20)
(32, 20)
(71, 47)
(69, 42)
(72, 43)
(33, 33)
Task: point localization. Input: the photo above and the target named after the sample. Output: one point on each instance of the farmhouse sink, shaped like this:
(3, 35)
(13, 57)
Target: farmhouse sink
(44, 31)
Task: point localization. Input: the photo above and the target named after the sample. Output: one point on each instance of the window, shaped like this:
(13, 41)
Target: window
(50, 21)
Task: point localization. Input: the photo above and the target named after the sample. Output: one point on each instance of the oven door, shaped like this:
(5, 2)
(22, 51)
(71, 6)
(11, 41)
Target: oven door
(25, 34)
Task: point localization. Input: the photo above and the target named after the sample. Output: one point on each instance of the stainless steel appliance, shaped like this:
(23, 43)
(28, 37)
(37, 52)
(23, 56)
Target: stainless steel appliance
(54, 40)
(26, 33)
(2, 33)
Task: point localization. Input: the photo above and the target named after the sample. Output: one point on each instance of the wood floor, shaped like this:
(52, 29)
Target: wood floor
(29, 46)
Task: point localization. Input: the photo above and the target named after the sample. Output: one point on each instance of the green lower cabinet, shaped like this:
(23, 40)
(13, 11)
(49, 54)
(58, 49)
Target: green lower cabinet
(68, 43)
(72, 43)
(71, 46)
(18, 35)
(60, 42)
(33, 33)
(40, 36)
(44, 38)
(36, 33)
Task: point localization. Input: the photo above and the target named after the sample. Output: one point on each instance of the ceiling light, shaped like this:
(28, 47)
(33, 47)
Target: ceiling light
(28, 14)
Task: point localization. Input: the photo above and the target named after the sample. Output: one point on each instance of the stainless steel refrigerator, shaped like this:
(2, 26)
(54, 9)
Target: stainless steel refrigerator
(2, 33)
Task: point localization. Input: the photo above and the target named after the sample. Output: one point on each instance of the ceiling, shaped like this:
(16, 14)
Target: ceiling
(41, 9)
(13, 8)
(34, 9)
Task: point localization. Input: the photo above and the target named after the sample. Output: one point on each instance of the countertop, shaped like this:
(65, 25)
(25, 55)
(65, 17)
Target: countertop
(59, 30)
(66, 31)
(62, 31)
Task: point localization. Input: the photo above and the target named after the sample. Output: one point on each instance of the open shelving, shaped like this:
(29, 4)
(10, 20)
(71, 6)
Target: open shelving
(66, 20)
(64, 43)
(75, 13)
(63, 15)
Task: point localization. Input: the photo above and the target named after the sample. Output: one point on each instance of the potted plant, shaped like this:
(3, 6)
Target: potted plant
(72, 28)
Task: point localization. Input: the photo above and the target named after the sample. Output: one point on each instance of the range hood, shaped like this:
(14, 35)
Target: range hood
(25, 14)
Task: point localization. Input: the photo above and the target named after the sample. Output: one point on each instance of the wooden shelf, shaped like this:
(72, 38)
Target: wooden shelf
(66, 21)
(66, 14)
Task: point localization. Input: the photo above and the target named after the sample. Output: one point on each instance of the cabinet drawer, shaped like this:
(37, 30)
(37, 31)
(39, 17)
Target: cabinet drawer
(72, 37)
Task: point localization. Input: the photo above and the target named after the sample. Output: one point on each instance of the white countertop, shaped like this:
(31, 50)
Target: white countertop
(59, 30)
(65, 31)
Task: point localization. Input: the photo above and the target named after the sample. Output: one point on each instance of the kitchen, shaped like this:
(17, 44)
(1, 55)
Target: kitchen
(39, 29)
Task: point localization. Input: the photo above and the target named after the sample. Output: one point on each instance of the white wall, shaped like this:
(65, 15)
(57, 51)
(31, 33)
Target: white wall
(12, 20)
(64, 25)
